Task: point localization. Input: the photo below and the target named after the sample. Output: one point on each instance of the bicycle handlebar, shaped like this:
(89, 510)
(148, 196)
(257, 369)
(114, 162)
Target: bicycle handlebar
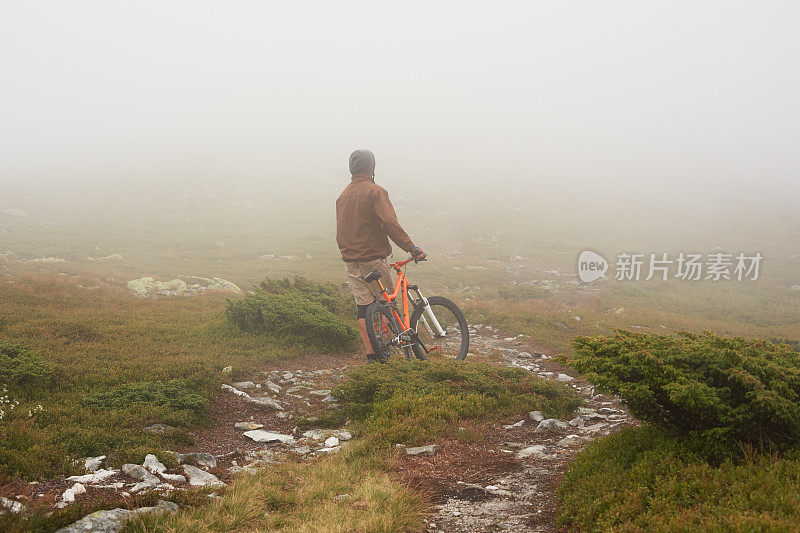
(400, 264)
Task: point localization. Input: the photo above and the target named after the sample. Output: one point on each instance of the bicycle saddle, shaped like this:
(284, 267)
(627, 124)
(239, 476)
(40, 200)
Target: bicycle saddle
(375, 275)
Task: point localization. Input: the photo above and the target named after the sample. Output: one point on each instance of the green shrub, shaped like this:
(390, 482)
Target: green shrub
(718, 392)
(412, 402)
(645, 479)
(317, 314)
(174, 394)
(23, 369)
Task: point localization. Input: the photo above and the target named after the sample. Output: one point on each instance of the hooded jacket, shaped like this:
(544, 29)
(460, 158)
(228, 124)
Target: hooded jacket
(365, 218)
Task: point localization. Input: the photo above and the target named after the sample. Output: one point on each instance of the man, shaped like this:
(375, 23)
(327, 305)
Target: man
(365, 220)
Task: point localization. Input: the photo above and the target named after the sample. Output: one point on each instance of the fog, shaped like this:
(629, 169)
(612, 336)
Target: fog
(670, 95)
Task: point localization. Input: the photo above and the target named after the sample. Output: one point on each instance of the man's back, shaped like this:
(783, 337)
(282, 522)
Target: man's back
(365, 219)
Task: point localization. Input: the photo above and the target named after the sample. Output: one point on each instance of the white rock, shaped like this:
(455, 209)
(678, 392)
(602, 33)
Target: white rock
(235, 391)
(174, 477)
(95, 477)
(92, 464)
(330, 442)
(329, 449)
(244, 385)
(201, 478)
(342, 434)
(259, 435)
(431, 449)
(247, 426)
(113, 520)
(75, 490)
(536, 416)
(564, 378)
(264, 401)
(551, 424)
(11, 505)
(152, 463)
(535, 450)
(140, 473)
(577, 422)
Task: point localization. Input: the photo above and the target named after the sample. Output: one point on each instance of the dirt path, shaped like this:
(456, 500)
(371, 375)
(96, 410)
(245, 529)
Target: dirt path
(508, 482)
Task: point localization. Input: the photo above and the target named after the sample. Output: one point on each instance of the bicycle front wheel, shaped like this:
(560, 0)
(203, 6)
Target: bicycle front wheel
(446, 332)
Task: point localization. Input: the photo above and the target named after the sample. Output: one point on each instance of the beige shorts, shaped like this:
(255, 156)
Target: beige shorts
(366, 293)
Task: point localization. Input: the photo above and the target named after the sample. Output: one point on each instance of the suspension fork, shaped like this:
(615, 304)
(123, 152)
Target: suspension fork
(427, 314)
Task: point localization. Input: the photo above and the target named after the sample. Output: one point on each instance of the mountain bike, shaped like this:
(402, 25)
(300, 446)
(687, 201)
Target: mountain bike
(435, 326)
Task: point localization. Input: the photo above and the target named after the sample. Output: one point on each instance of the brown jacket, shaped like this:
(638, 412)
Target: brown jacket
(365, 219)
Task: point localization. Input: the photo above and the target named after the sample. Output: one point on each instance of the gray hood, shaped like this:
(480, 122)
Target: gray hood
(362, 162)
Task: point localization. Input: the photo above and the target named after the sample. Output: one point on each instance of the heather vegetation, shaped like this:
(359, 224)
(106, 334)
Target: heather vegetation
(415, 402)
(721, 450)
(316, 314)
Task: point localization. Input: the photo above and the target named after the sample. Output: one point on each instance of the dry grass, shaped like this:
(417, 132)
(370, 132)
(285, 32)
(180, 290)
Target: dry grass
(350, 491)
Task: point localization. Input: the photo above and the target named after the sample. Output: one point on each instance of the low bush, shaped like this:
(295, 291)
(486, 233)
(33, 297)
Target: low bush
(718, 392)
(24, 370)
(413, 402)
(645, 479)
(174, 394)
(319, 315)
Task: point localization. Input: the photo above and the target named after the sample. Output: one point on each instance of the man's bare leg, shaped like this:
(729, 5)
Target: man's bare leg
(362, 327)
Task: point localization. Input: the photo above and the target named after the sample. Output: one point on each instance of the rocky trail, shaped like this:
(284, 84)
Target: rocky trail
(507, 481)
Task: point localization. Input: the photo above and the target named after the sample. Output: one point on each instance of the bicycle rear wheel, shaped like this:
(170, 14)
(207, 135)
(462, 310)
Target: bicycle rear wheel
(454, 343)
(382, 327)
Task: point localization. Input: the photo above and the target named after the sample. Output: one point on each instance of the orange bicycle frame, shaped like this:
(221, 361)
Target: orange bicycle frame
(400, 288)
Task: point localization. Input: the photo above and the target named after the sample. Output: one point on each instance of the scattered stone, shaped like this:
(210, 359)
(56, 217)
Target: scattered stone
(174, 477)
(70, 494)
(577, 422)
(340, 497)
(140, 473)
(530, 451)
(315, 434)
(536, 416)
(497, 491)
(92, 464)
(204, 459)
(524, 355)
(302, 450)
(201, 478)
(274, 387)
(247, 426)
(244, 385)
(564, 378)
(94, 477)
(264, 401)
(259, 435)
(417, 451)
(113, 520)
(158, 429)
(329, 449)
(550, 424)
(11, 505)
(514, 425)
(330, 442)
(320, 392)
(342, 434)
(570, 440)
(287, 376)
(152, 463)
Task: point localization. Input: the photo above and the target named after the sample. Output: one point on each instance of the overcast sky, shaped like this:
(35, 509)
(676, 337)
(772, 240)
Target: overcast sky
(577, 92)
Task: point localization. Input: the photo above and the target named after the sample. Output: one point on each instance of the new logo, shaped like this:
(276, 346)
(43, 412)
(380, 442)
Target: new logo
(591, 266)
